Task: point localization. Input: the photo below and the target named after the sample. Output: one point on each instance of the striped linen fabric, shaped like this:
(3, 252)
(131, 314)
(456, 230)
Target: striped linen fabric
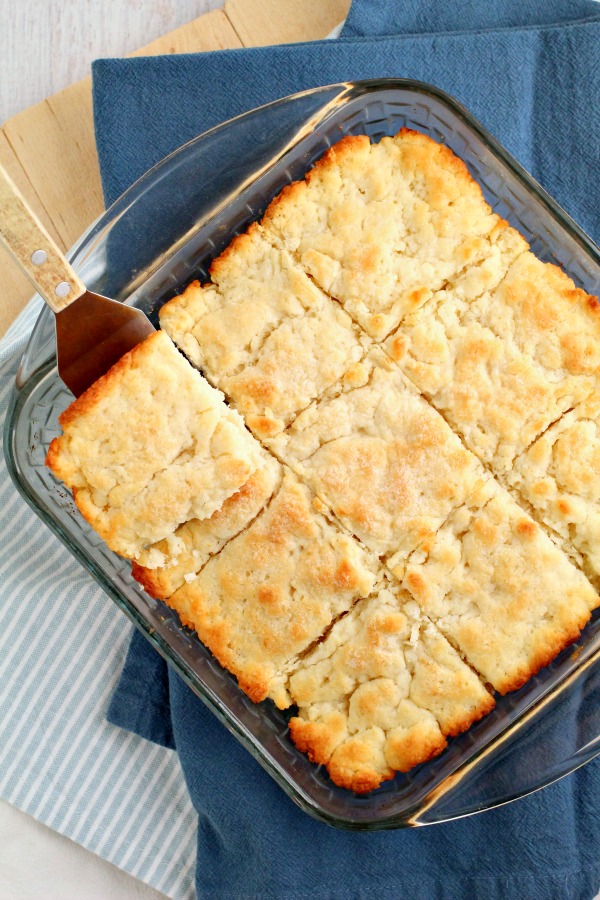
(62, 646)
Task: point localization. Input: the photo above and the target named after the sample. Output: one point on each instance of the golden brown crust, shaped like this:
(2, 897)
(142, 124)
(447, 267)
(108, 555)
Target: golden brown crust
(559, 476)
(540, 308)
(273, 590)
(150, 580)
(150, 445)
(381, 226)
(380, 694)
(167, 565)
(346, 148)
(504, 366)
(263, 332)
(175, 302)
(384, 461)
(499, 589)
(53, 456)
(241, 245)
(414, 747)
(542, 656)
(96, 393)
(350, 767)
(318, 739)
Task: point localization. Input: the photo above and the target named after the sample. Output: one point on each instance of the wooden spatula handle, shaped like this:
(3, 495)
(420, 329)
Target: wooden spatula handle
(30, 244)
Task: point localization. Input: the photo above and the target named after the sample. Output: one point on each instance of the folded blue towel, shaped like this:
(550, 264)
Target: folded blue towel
(377, 17)
(530, 72)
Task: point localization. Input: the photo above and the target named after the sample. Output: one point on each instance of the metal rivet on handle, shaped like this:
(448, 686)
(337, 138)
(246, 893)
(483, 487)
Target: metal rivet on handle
(38, 257)
(62, 289)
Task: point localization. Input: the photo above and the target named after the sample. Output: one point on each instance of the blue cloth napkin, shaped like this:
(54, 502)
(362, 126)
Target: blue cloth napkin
(530, 72)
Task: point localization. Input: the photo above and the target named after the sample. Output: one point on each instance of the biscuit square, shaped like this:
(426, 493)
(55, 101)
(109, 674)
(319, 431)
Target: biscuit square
(151, 445)
(499, 589)
(273, 590)
(381, 226)
(381, 458)
(263, 332)
(539, 309)
(559, 475)
(382, 692)
(503, 368)
(166, 565)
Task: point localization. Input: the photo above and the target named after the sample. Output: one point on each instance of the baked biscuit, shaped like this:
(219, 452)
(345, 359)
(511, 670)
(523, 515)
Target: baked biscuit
(382, 692)
(559, 475)
(490, 265)
(273, 590)
(499, 589)
(263, 332)
(538, 309)
(150, 445)
(381, 226)
(502, 368)
(166, 565)
(381, 458)
(489, 355)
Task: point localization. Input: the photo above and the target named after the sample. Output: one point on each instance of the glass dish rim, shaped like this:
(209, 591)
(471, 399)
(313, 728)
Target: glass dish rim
(346, 90)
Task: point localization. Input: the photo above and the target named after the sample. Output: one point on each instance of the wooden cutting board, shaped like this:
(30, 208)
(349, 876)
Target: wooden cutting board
(49, 149)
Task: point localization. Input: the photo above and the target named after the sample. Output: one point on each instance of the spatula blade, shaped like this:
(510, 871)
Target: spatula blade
(92, 333)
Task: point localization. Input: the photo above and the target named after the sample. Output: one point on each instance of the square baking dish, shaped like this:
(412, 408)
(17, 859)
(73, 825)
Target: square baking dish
(163, 232)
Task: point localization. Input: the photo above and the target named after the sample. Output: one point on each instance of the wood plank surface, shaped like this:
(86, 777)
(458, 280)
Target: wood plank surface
(212, 31)
(47, 45)
(260, 23)
(54, 141)
(49, 148)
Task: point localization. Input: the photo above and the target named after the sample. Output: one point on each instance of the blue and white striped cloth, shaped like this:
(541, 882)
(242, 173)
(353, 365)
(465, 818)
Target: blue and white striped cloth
(62, 646)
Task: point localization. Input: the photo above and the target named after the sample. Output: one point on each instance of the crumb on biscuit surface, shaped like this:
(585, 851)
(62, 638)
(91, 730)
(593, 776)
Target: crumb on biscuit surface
(150, 445)
(273, 590)
(382, 458)
(499, 589)
(382, 692)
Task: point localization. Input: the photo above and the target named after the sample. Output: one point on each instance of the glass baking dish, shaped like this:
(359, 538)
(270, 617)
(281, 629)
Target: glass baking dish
(159, 235)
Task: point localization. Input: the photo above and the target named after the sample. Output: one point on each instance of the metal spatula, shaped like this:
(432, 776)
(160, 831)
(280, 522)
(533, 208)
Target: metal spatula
(92, 332)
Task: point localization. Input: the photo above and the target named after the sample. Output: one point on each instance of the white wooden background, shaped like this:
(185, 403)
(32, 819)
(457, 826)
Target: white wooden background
(46, 45)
